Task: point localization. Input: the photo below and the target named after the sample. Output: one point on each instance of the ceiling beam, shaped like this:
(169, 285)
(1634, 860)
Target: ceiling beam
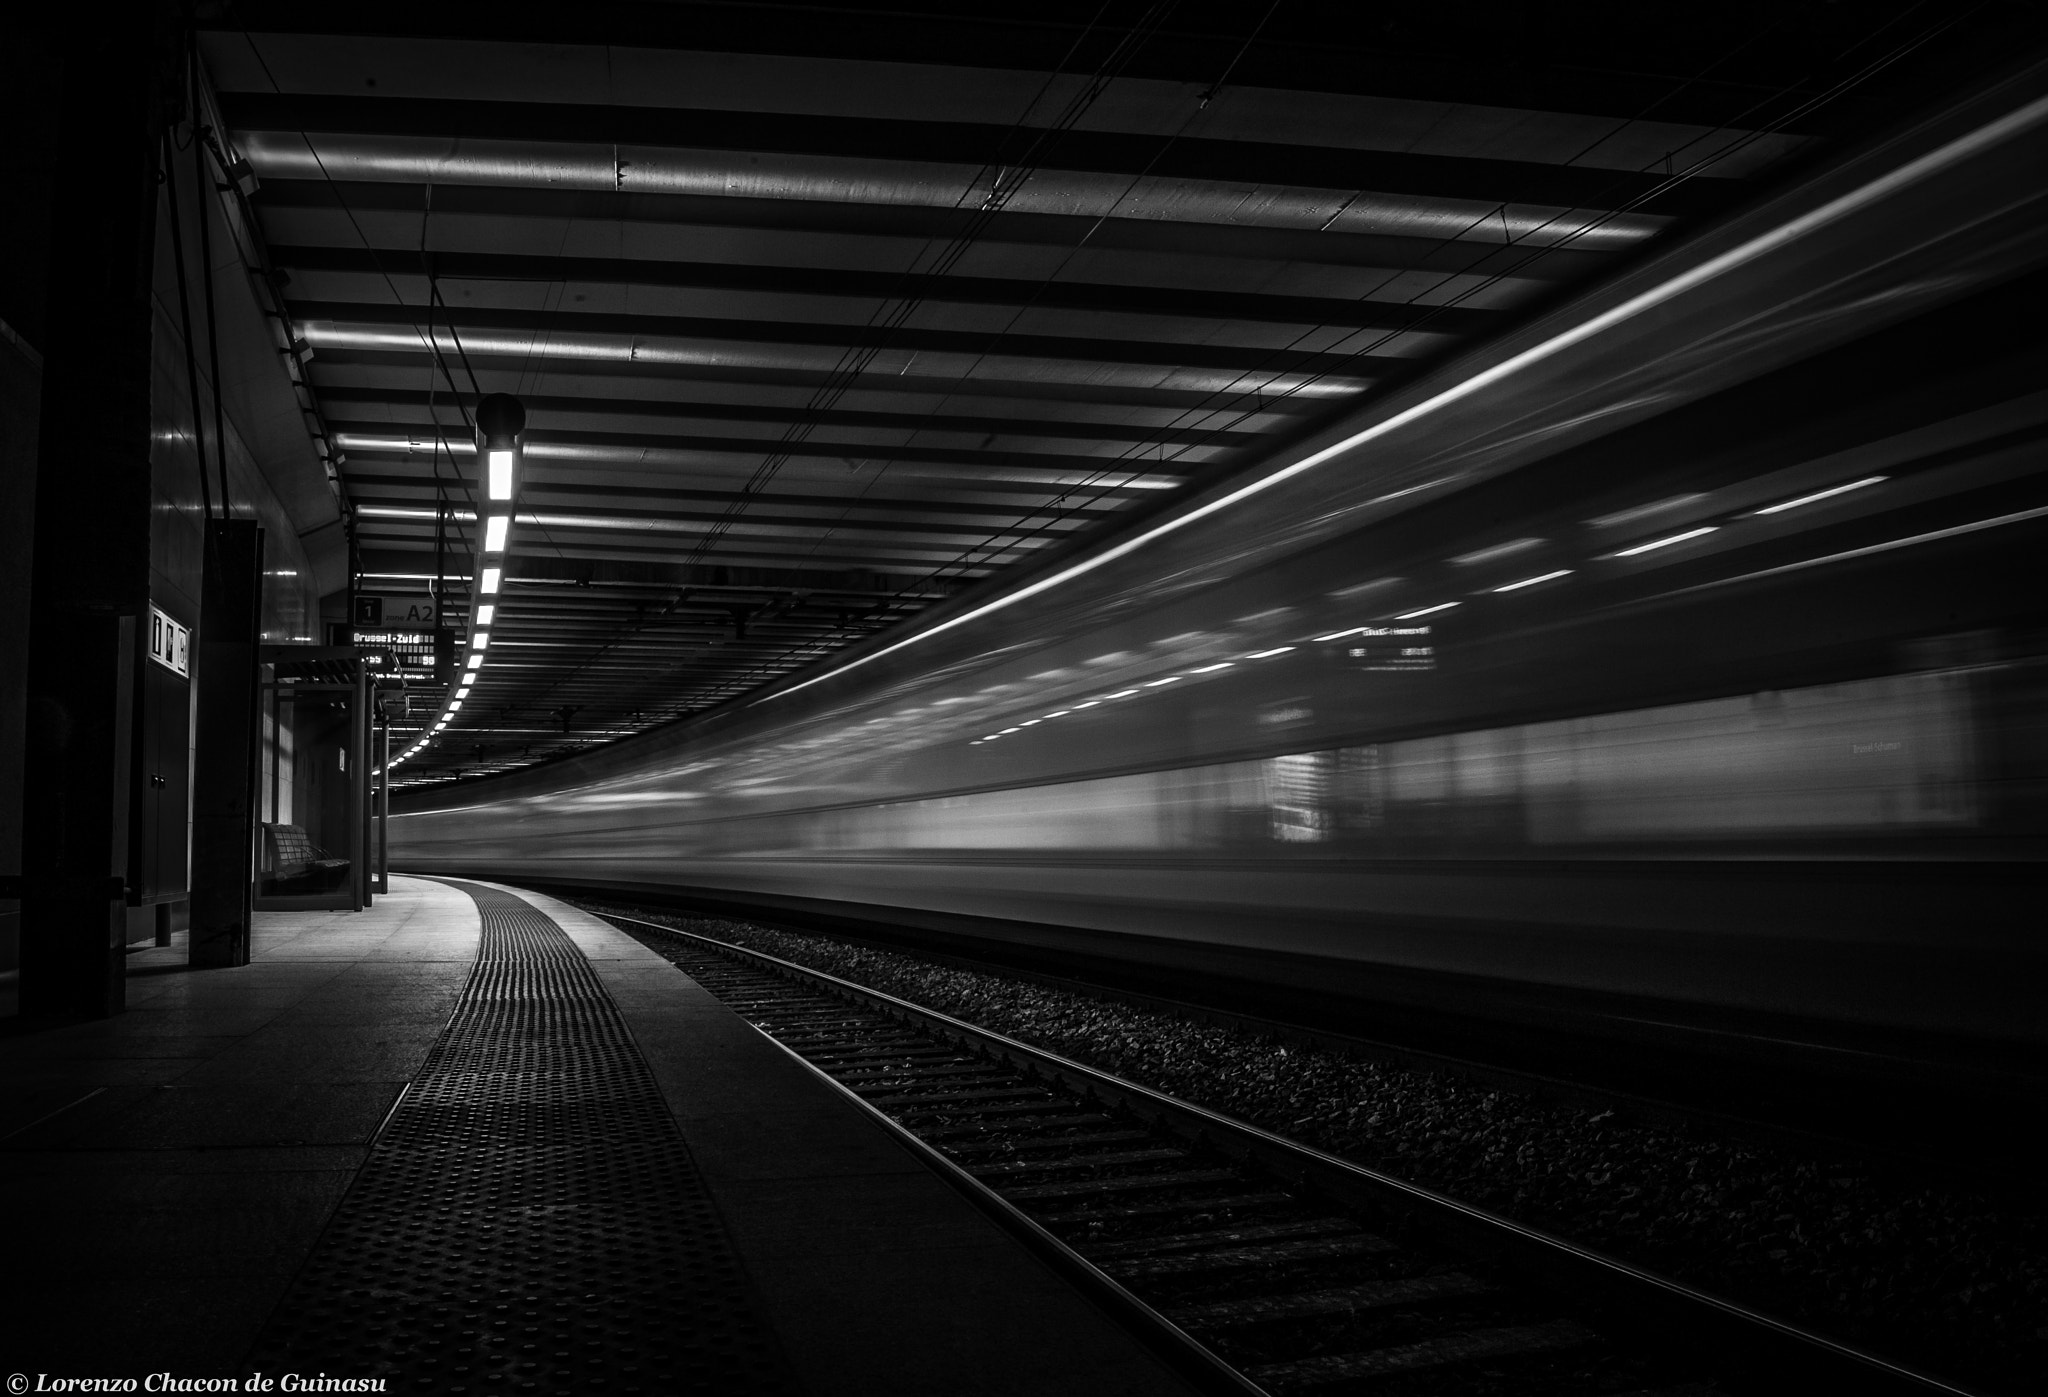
(539, 406)
(853, 583)
(1241, 242)
(967, 459)
(1032, 392)
(1564, 60)
(842, 283)
(364, 485)
(626, 329)
(1489, 180)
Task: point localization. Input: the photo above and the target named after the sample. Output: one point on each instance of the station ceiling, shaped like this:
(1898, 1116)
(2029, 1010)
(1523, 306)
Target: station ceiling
(821, 314)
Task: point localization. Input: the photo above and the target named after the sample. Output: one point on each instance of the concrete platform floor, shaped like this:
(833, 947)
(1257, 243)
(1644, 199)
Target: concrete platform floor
(168, 1170)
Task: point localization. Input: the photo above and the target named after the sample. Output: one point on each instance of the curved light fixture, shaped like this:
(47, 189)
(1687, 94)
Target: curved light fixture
(500, 420)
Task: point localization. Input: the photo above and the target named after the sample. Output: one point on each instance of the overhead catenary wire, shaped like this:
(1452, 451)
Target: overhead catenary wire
(1126, 460)
(811, 648)
(428, 340)
(1005, 177)
(1078, 495)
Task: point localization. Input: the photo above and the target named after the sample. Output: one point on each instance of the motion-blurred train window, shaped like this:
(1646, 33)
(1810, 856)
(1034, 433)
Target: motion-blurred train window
(1874, 754)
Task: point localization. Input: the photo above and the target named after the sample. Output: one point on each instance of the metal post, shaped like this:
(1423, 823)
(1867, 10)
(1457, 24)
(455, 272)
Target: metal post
(384, 812)
(359, 805)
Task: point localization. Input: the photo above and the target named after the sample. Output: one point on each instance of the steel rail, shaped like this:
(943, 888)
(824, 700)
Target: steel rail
(1769, 1354)
(1186, 1354)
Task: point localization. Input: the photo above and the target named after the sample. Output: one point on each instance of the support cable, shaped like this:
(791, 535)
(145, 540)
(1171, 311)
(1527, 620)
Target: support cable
(1130, 459)
(199, 180)
(170, 178)
(893, 311)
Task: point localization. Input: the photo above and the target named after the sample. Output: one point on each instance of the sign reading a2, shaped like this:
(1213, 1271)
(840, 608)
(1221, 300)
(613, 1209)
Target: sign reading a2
(402, 613)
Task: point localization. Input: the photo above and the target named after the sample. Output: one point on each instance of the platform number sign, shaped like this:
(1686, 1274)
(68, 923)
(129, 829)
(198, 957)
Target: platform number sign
(170, 644)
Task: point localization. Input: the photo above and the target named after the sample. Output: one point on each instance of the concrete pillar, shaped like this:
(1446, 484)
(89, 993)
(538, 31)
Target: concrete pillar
(90, 581)
(21, 389)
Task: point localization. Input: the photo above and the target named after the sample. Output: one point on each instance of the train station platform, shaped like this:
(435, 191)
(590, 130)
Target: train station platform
(472, 1140)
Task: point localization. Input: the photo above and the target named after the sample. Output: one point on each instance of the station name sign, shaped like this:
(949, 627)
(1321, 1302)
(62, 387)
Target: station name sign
(170, 644)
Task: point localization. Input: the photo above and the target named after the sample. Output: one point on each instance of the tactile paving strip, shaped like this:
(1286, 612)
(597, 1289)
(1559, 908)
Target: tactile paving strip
(529, 1220)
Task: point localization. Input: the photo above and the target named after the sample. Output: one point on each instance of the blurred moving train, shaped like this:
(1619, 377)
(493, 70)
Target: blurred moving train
(1680, 658)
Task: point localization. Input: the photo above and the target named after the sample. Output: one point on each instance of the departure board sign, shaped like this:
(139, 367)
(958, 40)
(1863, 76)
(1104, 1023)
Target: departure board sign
(411, 652)
(170, 644)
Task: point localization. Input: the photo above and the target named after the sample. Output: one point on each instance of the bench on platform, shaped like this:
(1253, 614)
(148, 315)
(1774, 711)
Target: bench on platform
(295, 864)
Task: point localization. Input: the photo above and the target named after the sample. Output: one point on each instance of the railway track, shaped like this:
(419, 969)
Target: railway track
(1253, 1263)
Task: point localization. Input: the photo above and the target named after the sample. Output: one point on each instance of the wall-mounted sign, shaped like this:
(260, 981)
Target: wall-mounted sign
(170, 644)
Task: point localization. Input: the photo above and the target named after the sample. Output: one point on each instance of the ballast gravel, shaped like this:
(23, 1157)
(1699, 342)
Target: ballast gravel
(1934, 1276)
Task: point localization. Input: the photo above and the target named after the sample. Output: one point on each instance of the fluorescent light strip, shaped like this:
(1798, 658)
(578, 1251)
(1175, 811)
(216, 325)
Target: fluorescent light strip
(492, 576)
(1532, 581)
(1824, 494)
(1120, 693)
(1499, 550)
(1960, 529)
(1269, 654)
(500, 466)
(495, 529)
(1170, 679)
(2007, 127)
(1427, 610)
(1665, 542)
(1644, 511)
(480, 640)
(1211, 669)
(1334, 635)
(485, 613)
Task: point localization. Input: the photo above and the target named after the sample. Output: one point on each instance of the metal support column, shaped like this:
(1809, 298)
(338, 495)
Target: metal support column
(360, 804)
(384, 803)
(224, 786)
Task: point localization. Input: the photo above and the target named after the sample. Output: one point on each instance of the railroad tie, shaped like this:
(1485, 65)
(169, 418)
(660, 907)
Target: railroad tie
(1348, 1299)
(1242, 1258)
(1506, 1342)
(1222, 1237)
